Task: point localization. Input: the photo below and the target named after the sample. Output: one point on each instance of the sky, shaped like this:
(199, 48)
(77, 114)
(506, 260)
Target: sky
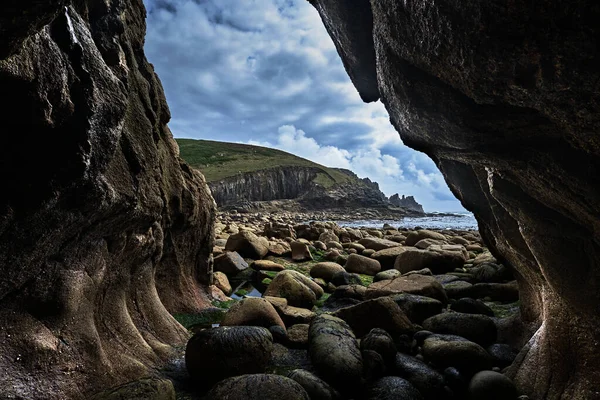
(266, 72)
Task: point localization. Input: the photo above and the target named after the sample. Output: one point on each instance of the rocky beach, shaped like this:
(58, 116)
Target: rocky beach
(314, 310)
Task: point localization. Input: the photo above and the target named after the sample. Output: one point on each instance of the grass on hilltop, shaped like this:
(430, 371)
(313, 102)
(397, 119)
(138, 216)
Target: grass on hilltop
(219, 160)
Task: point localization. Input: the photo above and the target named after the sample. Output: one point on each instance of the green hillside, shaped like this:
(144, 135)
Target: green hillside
(218, 160)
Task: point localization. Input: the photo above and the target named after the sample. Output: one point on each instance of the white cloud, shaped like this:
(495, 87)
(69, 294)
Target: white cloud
(267, 72)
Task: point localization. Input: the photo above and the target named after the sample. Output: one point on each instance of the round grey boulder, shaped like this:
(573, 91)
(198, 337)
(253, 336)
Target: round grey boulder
(477, 328)
(381, 342)
(393, 388)
(334, 352)
(214, 354)
(316, 388)
(490, 385)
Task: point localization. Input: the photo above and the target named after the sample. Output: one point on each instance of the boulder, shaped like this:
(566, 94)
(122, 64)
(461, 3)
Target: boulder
(477, 328)
(280, 249)
(381, 313)
(368, 252)
(429, 382)
(373, 365)
(266, 265)
(455, 351)
(297, 336)
(412, 284)
(503, 355)
(316, 388)
(295, 315)
(248, 245)
(328, 236)
(320, 245)
(325, 270)
(377, 243)
(220, 280)
(437, 262)
(362, 265)
(230, 263)
(458, 289)
(299, 290)
(424, 271)
(418, 308)
(471, 306)
(332, 255)
(336, 245)
(393, 388)
(506, 292)
(252, 311)
(387, 257)
(334, 353)
(278, 230)
(343, 278)
(380, 341)
(215, 354)
(414, 237)
(386, 275)
(258, 387)
(425, 243)
(490, 385)
(356, 246)
(300, 251)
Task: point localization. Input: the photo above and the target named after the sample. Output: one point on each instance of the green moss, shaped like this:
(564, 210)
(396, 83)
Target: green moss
(322, 300)
(270, 274)
(318, 255)
(241, 292)
(366, 280)
(266, 281)
(206, 318)
(223, 304)
(503, 310)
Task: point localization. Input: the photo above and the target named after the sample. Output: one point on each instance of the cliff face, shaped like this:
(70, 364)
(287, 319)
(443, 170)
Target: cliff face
(264, 185)
(300, 183)
(102, 227)
(503, 96)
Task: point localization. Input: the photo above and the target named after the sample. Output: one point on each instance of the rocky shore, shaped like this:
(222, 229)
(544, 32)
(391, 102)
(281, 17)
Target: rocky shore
(317, 311)
(292, 211)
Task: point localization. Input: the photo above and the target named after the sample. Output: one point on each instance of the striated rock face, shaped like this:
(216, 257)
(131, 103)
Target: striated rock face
(408, 202)
(264, 185)
(300, 183)
(102, 227)
(503, 96)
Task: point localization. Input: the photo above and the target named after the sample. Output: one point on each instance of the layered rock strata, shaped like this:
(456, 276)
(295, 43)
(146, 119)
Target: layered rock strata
(102, 227)
(503, 97)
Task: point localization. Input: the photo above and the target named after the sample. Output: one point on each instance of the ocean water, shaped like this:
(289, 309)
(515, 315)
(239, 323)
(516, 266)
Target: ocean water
(459, 220)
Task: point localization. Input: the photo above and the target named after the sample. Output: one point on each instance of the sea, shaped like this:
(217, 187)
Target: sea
(448, 220)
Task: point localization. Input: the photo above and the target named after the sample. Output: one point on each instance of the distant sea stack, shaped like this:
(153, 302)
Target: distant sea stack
(239, 174)
(408, 202)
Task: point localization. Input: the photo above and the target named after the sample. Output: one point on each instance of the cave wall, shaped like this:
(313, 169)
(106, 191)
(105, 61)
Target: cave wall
(504, 97)
(102, 227)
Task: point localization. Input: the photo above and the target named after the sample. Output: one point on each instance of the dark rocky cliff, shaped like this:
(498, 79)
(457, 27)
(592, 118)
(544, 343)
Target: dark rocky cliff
(102, 227)
(264, 185)
(301, 183)
(503, 96)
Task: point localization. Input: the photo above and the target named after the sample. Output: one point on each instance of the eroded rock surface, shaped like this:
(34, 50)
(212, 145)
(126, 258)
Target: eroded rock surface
(503, 96)
(102, 227)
